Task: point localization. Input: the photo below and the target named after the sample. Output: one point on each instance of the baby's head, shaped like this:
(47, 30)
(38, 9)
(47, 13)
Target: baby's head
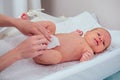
(98, 39)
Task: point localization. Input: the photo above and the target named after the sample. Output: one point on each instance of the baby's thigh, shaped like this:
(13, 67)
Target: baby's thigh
(51, 28)
(49, 57)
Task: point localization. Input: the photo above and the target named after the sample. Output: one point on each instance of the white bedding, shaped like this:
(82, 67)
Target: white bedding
(98, 68)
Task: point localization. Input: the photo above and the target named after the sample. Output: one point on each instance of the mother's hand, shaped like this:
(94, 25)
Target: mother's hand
(32, 28)
(32, 47)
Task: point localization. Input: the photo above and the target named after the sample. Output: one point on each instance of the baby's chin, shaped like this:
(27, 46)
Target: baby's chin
(98, 51)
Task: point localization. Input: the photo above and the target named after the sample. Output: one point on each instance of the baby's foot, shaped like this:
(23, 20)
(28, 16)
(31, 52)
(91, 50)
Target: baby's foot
(78, 32)
(24, 16)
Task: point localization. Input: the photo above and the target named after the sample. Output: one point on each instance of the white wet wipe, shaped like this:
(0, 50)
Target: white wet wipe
(54, 42)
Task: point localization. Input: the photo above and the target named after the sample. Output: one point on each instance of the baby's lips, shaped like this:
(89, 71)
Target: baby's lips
(96, 42)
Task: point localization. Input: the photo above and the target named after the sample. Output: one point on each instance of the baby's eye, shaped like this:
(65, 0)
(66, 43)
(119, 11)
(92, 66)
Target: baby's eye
(103, 43)
(98, 34)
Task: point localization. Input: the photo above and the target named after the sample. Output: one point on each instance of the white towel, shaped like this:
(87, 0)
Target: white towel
(4, 47)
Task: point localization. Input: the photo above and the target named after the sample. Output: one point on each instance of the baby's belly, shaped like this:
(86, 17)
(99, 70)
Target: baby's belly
(69, 48)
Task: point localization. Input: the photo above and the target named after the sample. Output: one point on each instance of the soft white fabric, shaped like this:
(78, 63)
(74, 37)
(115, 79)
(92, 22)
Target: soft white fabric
(115, 38)
(37, 15)
(4, 47)
(98, 68)
(85, 21)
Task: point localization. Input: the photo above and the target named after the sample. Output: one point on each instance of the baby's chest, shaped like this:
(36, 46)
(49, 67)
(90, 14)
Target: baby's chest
(72, 47)
(71, 43)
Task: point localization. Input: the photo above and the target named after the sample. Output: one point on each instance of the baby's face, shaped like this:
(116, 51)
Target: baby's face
(98, 39)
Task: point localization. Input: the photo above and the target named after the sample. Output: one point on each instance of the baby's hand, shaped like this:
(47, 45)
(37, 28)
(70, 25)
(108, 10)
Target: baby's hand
(78, 32)
(87, 56)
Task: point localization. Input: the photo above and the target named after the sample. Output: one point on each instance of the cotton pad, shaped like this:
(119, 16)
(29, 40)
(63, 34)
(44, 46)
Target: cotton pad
(54, 42)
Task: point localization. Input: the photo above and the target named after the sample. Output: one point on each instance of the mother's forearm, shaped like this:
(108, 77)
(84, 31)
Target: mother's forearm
(8, 59)
(7, 21)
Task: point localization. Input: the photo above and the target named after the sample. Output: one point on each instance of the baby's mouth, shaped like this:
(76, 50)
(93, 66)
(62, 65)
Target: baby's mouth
(96, 42)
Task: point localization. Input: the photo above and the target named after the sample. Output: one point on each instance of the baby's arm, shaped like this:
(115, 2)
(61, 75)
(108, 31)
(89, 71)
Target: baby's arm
(49, 57)
(78, 32)
(87, 56)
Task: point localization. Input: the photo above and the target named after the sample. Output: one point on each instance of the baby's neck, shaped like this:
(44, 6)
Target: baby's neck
(90, 48)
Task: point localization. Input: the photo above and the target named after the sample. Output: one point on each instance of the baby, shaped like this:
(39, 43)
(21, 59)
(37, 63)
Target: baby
(74, 46)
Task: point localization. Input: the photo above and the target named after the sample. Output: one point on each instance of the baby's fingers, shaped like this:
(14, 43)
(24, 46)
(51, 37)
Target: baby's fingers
(80, 32)
(86, 56)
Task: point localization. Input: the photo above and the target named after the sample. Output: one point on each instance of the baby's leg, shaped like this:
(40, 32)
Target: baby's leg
(49, 25)
(49, 57)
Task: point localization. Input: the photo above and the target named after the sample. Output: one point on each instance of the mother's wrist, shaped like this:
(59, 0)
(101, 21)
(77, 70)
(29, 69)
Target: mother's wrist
(17, 22)
(15, 54)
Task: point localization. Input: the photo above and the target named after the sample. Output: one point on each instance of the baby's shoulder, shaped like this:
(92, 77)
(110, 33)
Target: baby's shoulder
(87, 48)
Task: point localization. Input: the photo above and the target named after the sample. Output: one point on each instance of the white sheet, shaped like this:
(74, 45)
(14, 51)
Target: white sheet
(96, 69)
(28, 70)
(85, 21)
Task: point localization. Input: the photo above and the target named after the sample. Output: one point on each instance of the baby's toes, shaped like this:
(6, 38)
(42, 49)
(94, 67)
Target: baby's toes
(24, 16)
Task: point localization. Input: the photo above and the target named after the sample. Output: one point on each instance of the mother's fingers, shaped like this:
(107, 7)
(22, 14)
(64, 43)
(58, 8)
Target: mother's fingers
(40, 42)
(40, 47)
(40, 39)
(44, 31)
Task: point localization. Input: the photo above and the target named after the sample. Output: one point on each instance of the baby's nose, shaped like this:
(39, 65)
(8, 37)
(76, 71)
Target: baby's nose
(100, 39)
